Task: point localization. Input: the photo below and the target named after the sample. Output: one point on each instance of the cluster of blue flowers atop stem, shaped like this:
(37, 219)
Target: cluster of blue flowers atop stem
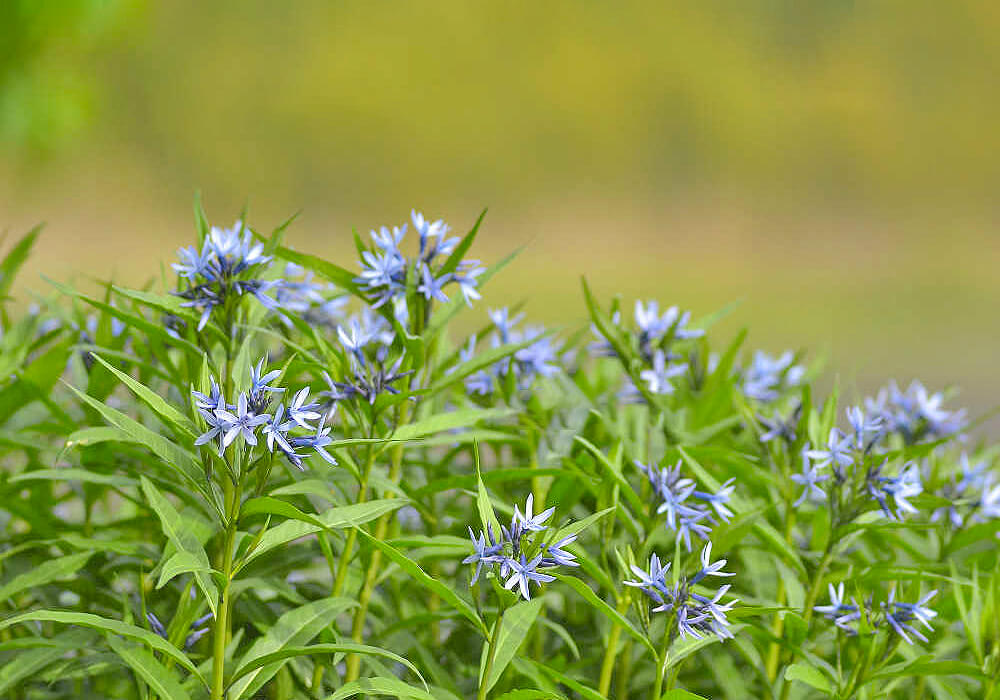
(767, 377)
(897, 616)
(696, 614)
(539, 358)
(517, 557)
(288, 429)
(367, 340)
(385, 270)
(227, 267)
(654, 338)
(687, 509)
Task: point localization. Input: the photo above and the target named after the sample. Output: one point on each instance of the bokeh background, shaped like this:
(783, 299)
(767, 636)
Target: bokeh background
(832, 166)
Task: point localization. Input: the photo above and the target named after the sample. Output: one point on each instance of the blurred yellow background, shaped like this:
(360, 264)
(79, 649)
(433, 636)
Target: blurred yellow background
(831, 165)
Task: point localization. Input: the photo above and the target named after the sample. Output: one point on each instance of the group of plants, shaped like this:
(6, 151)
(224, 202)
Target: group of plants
(268, 475)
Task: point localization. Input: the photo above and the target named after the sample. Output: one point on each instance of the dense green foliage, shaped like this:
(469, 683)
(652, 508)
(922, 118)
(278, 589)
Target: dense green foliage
(138, 561)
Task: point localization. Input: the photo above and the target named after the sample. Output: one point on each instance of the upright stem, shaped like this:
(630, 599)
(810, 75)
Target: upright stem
(221, 633)
(352, 535)
(778, 626)
(807, 612)
(624, 670)
(611, 652)
(490, 656)
(371, 576)
(661, 661)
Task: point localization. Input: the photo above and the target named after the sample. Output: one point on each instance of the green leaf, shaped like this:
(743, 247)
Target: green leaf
(930, 667)
(514, 627)
(301, 525)
(293, 629)
(27, 664)
(626, 488)
(46, 572)
(530, 694)
(149, 397)
(322, 649)
(679, 694)
(451, 264)
(146, 666)
(609, 612)
(335, 273)
(683, 648)
(584, 691)
(132, 321)
(123, 629)
(380, 685)
(581, 525)
(810, 675)
(452, 420)
(431, 584)
(15, 258)
(180, 459)
(85, 437)
(75, 474)
(183, 538)
(181, 563)
(487, 515)
(481, 360)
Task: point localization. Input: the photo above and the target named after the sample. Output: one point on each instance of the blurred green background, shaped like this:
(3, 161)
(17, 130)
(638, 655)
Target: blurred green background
(831, 165)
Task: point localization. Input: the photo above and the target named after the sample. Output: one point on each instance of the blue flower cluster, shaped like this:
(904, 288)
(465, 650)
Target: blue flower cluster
(654, 336)
(687, 509)
(316, 303)
(287, 429)
(366, 340)
(384, 268)
(898, 616)
(860, 448)
(974, 497)
(768, 377)
(915, 414)
(696, 614)
(521, 550)
(228, 266)
(538, 359)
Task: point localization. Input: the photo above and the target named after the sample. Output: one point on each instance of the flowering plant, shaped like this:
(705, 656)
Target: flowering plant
(276, 476)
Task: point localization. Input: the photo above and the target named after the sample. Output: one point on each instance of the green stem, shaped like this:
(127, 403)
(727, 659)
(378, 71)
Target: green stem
(817, 583)
(661, 662)
(490, 656)
(352, 535)
(611, 652)
(222, 631)
(814, 588)
(381, 526)
(778, 626)
(860, 670)
(625, 670)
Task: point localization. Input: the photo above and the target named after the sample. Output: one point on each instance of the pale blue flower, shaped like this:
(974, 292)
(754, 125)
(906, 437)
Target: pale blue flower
(809, 479)
(839, 450)
(839, 612)
(900, 615)
(658, 377)
(523, 572)
(430, 286)
(244, 422)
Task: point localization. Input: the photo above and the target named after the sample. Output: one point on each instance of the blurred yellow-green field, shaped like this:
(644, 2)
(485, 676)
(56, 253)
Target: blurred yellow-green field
(832, 166)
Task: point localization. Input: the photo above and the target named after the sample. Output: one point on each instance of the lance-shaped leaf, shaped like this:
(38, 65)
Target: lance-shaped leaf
(146, 666)
(293, 629)
(184, 540)
(514, 627)
(104, 624)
